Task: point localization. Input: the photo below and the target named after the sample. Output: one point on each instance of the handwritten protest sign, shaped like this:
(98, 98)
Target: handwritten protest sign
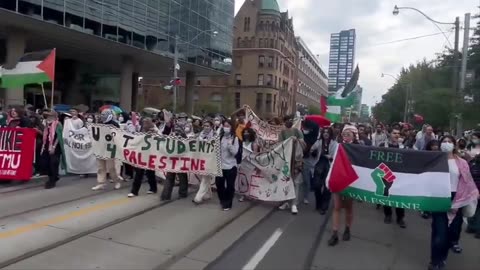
(17, 150)
(78, 150)
(156, 152)
(267, 176)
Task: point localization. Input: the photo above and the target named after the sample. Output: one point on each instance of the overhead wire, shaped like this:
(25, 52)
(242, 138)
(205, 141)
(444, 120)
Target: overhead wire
(410, 38)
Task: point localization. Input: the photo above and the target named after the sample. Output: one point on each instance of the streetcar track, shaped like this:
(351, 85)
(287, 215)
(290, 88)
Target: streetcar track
(83, 234)
(184, 252)
(32, 184)
(93, 194)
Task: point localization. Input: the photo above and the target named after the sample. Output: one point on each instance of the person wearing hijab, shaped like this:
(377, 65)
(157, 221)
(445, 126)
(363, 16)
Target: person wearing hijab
(205, 192)
(107, 165)
(311, 156)
(52, 148)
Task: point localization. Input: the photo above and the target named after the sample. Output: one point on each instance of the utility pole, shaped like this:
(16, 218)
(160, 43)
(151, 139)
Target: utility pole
(463, 73)
(175, 74)
(455, 73)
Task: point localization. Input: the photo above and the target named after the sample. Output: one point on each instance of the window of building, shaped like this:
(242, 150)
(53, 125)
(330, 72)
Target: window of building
(261, 61)
(269, 80)
(239, 42)
(260, 43)
(268, 103)
(260, 80)
(259, 102)
(238, 79)
(275, 82)
(237, 100)
(272, 44)
(274, 103)
(199, 82)
(270, 62)
(246, 24)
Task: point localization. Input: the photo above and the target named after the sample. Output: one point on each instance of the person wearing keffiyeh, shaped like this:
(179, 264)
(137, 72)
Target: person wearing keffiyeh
(52, 148)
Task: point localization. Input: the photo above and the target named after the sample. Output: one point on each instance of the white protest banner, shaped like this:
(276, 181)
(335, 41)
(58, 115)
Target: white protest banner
(156, 152)
(78, 150)
(267, 134)
(267, 176)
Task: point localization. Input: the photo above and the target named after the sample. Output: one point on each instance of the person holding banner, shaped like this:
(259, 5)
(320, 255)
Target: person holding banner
(107, 165)
(250, 145)
(349, 135)
(446, 227)
(205, 192)
(147, 127)
(52, 148)
(178, 130)
(230, 145)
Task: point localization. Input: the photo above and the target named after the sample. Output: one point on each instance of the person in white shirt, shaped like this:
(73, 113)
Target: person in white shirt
(225, 184)
(379, 137)
(204, 191)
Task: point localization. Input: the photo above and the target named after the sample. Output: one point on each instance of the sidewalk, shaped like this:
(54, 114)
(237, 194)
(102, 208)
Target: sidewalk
(377, 246)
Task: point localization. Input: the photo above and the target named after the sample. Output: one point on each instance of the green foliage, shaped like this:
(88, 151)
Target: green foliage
(314, 110)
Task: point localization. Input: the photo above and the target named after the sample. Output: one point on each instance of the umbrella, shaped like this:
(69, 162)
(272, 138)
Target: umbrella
(114, 108)
(322, 121)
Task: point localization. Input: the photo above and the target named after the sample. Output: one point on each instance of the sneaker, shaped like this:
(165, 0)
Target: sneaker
(150, 192)
(388, 220)
(402, 224)
(323, 212)
(98, 187)
(436, 266)
(131, 195)
(118, 185)
(346, 234)
(305, 201)
(457, 249)
(241, 199)
(226, 209)
(294, 209)
(333, 240)
(284, 206)
(111, 181)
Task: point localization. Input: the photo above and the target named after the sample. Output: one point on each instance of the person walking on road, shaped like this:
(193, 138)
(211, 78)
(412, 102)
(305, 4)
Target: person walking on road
(147, 127)
(52, 148)
(205, 190)
(311, 156)
(250, 145)
(328, 147)
(179, 132)
(387, 210)
(107, 165)
(349, 134)
(225, 184)
(446, 226)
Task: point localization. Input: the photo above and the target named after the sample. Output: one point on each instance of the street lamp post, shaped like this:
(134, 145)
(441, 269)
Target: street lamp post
(455, 67)
(407, 96)
(176, 65)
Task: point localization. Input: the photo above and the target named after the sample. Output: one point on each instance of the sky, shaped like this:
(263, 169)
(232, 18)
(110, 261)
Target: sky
(315, 20)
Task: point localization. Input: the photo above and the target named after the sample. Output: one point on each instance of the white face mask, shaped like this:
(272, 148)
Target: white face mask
(217, 122)
(187, 130)
(89, 120)
(227, 130)
(306, 132)
(120, 119)
(447, 147)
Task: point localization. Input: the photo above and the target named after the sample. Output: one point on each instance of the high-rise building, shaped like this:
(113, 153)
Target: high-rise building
(312, 81)
(342, 59)
(104, 46)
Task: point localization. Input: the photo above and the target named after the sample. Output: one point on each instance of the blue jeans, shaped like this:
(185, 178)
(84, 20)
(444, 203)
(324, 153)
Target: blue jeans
(444, 236)
(306, 183)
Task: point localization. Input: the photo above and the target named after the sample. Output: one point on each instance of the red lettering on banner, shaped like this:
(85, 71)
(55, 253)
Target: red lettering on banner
(195, 164)
(184, 166)
(126, 153)
(163, 163)
(140, 161)
(151, 162)
(202, 164)
(174, 162)
(16, 153)
(132, 158)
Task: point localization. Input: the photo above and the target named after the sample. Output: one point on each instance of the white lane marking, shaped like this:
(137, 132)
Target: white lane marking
(258, 257)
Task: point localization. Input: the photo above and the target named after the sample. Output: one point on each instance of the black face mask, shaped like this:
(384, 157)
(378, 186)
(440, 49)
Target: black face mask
(289, 124)
(246, 137)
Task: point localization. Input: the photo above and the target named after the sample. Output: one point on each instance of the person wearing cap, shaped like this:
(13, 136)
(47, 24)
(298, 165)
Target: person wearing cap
(52, 148)
(349, 135)
(107, 165)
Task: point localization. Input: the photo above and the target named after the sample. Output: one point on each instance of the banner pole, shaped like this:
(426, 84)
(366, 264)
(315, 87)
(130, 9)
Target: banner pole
(44, 96)
(51, 100)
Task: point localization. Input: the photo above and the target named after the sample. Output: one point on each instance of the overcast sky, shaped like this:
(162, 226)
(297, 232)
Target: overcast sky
(375, 25)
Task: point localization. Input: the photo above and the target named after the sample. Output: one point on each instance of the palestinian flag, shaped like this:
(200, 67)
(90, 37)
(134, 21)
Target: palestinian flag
(416, 180)
(35, 67)
(336, 103)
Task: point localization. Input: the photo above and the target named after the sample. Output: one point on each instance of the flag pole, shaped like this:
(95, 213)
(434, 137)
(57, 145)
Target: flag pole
(44, 96)
(51, 100)
(53, 79)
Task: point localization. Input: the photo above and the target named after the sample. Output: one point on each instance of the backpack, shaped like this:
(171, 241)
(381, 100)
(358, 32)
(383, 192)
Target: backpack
(239, 155)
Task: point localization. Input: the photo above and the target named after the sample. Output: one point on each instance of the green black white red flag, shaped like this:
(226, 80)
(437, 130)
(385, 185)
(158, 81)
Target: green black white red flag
(416, 180)
(35, 67)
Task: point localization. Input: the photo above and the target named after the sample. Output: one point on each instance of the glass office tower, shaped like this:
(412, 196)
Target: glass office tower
(151, 25)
